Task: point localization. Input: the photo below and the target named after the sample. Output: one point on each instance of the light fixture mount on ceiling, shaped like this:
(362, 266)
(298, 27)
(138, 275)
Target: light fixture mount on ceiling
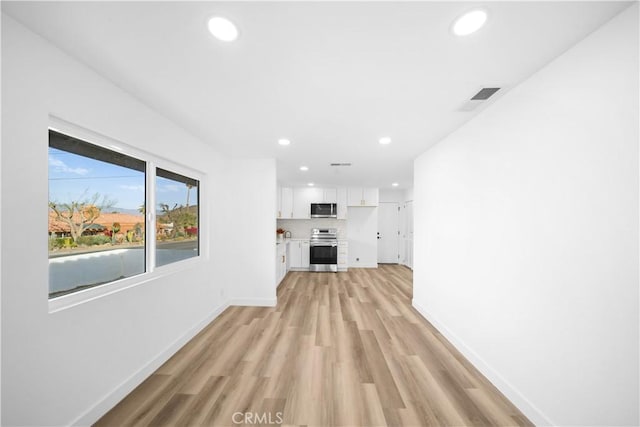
(469, 22)
(222, 29)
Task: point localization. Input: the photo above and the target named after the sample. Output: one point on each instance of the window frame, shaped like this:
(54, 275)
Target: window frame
(152, 272)
(172, 170)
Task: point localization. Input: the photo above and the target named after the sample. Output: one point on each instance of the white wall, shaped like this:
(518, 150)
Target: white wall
(391, 195)
(526, 229)
(252, 232)
(408, 194)
(71, 366)
(363, 243)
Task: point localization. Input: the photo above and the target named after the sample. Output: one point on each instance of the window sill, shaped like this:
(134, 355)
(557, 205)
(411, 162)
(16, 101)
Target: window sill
(77, 298)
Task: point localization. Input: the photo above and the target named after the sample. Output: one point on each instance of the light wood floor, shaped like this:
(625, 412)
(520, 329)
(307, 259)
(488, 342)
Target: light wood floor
(341, 349)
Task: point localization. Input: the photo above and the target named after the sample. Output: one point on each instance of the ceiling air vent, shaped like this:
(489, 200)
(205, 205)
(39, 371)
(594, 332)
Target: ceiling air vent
(339, 164)
(485, 93)
(479, 98)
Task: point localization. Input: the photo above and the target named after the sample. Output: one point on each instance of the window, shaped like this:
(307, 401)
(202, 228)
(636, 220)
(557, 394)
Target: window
(177, 217)
(98, 201)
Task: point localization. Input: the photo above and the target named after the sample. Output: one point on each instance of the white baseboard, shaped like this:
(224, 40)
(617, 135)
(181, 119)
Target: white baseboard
(94, 413)
(364, 266)
(517, 398)
(254, 302)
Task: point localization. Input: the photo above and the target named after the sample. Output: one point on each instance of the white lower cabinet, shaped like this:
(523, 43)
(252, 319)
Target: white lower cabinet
(294, 254)
(299, 254)
(304, 254)
(281, 262)
(343, 255)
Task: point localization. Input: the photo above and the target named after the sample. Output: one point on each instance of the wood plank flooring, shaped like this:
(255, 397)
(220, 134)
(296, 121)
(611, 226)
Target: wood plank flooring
(342, 349)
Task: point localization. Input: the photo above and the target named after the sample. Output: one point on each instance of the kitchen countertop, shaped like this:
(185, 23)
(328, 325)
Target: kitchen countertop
(298, 239)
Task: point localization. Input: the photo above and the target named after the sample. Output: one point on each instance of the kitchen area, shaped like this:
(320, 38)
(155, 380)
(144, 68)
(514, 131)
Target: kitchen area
(325, 229)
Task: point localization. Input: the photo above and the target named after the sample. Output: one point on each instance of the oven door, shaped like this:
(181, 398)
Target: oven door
(323, 256)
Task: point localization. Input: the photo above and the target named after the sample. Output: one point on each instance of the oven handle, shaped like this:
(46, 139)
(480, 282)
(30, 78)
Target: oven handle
(323, 244)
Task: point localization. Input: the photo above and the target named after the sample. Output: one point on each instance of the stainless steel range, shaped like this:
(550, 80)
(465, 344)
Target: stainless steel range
(323, 250)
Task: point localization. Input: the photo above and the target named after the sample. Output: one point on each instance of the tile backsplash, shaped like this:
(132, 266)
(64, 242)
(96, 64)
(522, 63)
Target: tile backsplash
(301, 228)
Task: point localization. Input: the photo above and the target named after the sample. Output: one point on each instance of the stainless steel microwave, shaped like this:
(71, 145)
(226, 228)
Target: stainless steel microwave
(324, 210)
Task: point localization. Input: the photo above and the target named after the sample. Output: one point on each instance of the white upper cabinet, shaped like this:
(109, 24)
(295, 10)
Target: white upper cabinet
(316, 195)
(284, 209)
(354, 196)
(304, 196)
(278, 202)
(358, 196)
(296, 202)
(370, 196)
(302, 199)
(330, 195)
(301, 208)
(286, 206)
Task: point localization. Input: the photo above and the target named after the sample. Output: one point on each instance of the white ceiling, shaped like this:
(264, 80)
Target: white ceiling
(332, 77)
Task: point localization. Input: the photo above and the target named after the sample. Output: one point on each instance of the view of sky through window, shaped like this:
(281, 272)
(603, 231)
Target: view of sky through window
(72, 176)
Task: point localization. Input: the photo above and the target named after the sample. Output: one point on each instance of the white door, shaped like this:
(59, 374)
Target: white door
(402, 225)
(388, 236)
(409, 240)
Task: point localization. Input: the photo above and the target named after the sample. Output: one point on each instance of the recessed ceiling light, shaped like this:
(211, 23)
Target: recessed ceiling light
(223, 29)
(469, 23)
(385, 140)
(311, 184)
(284, 141)
(304, 168)
(395, 184)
